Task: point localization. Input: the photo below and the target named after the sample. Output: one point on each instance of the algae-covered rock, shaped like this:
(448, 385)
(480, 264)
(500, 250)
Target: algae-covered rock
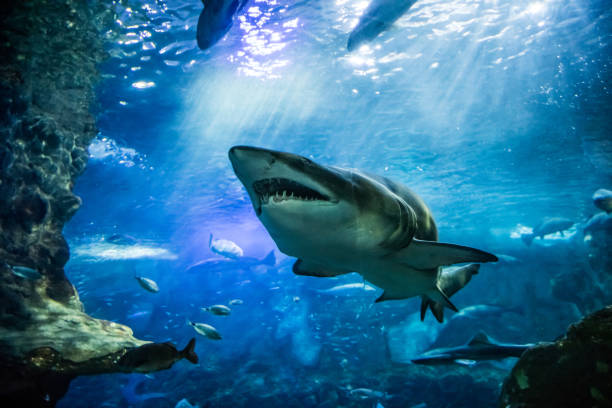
(50, 51)
(574, 371)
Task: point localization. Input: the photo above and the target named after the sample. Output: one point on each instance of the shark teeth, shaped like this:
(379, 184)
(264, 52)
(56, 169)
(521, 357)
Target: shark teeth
(280, 189)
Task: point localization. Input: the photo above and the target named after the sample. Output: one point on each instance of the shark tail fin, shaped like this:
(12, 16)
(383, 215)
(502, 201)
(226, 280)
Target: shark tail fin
(270, 259)
(189, 352)
(437, 308)
(527, 238)
(210, 240)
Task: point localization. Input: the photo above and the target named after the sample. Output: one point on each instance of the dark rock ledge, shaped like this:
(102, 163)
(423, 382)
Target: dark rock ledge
(49, 52)
(574, 371)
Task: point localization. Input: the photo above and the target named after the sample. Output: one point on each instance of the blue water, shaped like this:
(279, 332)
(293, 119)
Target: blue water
(495, 112)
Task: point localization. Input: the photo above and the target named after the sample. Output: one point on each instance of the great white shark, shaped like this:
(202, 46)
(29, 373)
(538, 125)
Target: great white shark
(337, 221)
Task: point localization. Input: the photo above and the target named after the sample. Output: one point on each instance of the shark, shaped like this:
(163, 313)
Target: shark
(336, 221)
(480, 348)
(216, 20)
(224, 264)
(378, 17)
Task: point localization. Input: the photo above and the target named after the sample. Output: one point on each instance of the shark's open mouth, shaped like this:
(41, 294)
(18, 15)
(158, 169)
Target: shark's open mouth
(281, 189)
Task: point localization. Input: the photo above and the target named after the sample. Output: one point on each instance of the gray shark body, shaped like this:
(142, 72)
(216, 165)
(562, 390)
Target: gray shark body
(216, 20)
(337, 221)
(480, 348)
(378, 17)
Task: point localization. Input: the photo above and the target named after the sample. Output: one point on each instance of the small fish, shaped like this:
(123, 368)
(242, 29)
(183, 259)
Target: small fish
(156, 356)
(25, 272)
(348, 289)
(147, 284)
(225, 248)
(219, 310)
(296, 299)
(235, 302)
(602, 199)
(365, 393)
(137, 315)
(206, 330)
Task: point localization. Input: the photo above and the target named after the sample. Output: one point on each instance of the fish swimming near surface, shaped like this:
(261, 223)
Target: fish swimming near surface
(206, 330)
(216, 20)
(223, 265)
(450, 281)
(147, 284)
(378, 17)
(235, 302)
(225, 248)
(156, 356)
(548, 225)
(337, 221)
(602, 199)
(219, 310)
(480, 348)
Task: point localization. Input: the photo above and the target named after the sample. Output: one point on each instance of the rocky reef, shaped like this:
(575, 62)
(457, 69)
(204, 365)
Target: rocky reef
(574, 371)
(50, 51)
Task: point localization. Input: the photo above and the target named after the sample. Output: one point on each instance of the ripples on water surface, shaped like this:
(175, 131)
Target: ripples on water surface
(495, 112)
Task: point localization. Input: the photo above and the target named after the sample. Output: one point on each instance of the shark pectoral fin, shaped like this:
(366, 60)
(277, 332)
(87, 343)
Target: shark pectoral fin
(440, 301)
(424, 255)
(387, 296)
(309, 268)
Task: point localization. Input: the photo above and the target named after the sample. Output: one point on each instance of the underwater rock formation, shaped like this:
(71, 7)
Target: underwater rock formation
(574, 371)
(50, 51)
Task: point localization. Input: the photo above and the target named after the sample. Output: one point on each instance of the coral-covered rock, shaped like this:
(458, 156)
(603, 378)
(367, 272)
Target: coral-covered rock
(50, 51)
(574, 371)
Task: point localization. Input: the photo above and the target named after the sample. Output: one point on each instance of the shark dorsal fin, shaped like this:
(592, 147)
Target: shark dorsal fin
(479, 339)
